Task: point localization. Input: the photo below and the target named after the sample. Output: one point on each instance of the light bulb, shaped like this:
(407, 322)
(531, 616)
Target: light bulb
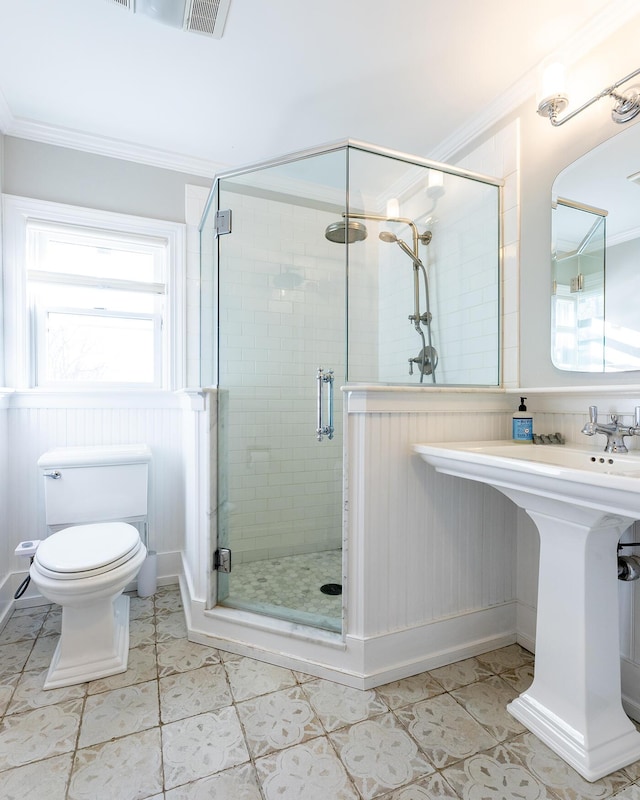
(552, 81)
(393, 208)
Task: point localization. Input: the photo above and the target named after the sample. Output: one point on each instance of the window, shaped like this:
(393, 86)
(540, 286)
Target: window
(97, 301)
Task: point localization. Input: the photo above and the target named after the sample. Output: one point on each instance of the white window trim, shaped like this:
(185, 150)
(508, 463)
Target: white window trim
(17, 212)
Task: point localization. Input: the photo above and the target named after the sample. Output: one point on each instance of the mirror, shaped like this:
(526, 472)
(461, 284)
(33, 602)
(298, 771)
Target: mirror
(595, 326)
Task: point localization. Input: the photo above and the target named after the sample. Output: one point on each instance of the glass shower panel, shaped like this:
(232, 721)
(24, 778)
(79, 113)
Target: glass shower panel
(281, 318)
(450, 279)
(410, 250)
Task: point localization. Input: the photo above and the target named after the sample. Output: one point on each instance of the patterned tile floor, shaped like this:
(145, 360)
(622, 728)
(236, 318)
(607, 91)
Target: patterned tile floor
(289, 588)
(187, 722)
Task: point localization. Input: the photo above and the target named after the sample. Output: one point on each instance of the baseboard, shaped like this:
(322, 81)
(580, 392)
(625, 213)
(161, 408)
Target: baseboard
(526, 626)
(31, 596)
(400, 654)
(360, 662)
(169, 568)
(6, 599)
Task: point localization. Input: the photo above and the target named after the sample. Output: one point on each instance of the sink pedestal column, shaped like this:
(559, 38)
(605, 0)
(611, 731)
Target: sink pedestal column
(574, 703)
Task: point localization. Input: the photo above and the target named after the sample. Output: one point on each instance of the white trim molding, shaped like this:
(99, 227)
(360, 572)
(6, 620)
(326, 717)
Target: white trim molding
(106, 146)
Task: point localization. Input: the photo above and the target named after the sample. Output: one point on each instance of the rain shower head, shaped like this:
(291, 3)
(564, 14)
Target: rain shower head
(343, 231)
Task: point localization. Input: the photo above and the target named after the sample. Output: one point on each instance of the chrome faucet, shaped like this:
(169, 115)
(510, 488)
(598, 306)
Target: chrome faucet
(614, 432)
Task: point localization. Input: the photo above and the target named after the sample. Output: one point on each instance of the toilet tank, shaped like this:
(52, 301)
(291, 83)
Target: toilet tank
(95, 484)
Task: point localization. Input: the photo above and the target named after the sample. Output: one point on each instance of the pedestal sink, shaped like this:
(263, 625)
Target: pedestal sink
(581, 501)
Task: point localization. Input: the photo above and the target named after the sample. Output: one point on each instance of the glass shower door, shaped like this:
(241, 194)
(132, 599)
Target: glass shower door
(281, 319)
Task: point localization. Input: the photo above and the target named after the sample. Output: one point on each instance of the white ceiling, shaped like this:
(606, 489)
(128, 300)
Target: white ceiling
(286, 75)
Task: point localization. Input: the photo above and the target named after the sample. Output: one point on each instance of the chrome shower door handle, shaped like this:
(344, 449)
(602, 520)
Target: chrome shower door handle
(323, 430)
(329, 379)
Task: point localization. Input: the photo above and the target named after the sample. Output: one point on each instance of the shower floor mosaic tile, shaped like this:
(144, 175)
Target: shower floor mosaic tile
(187, 722)
(289, 587)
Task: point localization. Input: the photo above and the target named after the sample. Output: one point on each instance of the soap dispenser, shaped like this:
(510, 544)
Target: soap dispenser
(522, 426)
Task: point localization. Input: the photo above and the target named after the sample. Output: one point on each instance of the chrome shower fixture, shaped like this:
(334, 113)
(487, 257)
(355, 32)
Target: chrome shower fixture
(427, 361)
(350, 230)
(387, 236)
(346, 232)
(427, 358)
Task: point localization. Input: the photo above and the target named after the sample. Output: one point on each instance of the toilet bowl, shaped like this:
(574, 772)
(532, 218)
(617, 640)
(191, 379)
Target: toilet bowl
(85, 566)
(85, 569)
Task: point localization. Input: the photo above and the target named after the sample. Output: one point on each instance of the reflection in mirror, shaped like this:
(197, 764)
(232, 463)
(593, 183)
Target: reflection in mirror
(577, 303)
(595, 326)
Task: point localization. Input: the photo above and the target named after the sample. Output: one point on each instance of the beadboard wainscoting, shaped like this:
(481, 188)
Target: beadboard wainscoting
(37, 422)
(430, 560)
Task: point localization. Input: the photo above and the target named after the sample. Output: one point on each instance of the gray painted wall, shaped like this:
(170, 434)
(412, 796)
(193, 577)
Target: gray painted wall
(63, 175)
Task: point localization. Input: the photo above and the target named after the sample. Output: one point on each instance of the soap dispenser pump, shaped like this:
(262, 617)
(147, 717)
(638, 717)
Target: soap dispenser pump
(522, 426)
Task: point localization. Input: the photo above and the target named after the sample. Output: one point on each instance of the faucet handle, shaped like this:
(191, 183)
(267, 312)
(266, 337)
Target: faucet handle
(593, 413)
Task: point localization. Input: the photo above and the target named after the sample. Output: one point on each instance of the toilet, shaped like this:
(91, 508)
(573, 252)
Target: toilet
(92, 551)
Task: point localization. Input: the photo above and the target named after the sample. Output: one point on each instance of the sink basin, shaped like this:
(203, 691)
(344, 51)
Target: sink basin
(604, 482)
(581, 500)
(550, 455)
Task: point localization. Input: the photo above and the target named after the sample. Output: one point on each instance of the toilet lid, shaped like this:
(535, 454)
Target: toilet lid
(88, 549)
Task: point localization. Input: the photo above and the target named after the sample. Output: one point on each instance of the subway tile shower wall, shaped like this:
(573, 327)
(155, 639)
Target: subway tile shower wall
(266, 270)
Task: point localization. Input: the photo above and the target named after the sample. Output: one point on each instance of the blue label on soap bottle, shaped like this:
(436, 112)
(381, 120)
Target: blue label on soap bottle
(523, 429)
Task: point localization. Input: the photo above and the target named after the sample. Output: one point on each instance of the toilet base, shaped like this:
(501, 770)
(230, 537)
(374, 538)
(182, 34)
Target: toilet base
(73, 662)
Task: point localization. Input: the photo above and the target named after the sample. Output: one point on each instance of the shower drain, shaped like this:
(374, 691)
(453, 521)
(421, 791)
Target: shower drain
(331, 588)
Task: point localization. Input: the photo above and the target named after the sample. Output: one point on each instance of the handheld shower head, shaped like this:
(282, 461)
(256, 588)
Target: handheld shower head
(387, 236)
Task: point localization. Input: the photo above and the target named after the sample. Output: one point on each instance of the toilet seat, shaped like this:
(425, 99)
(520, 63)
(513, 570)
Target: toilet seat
(84, 551)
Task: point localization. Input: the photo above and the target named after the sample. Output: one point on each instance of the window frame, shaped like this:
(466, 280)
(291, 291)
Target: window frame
(21, 344)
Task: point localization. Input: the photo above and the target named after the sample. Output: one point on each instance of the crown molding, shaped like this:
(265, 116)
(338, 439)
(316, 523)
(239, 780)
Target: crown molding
(600, 27)
(507, 102)
(106, 146)
(631, 235)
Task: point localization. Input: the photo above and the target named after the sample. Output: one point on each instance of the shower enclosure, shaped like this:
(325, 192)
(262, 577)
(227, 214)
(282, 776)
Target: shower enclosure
(346, 263)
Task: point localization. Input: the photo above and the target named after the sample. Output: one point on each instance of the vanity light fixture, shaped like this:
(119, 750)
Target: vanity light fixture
(554, 100)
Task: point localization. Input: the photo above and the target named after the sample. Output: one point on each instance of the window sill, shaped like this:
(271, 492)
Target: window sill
(92, 398)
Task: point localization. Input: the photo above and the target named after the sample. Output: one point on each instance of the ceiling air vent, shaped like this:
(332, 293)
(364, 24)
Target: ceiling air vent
(206, 16)
(200, 16)
(635, 178)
